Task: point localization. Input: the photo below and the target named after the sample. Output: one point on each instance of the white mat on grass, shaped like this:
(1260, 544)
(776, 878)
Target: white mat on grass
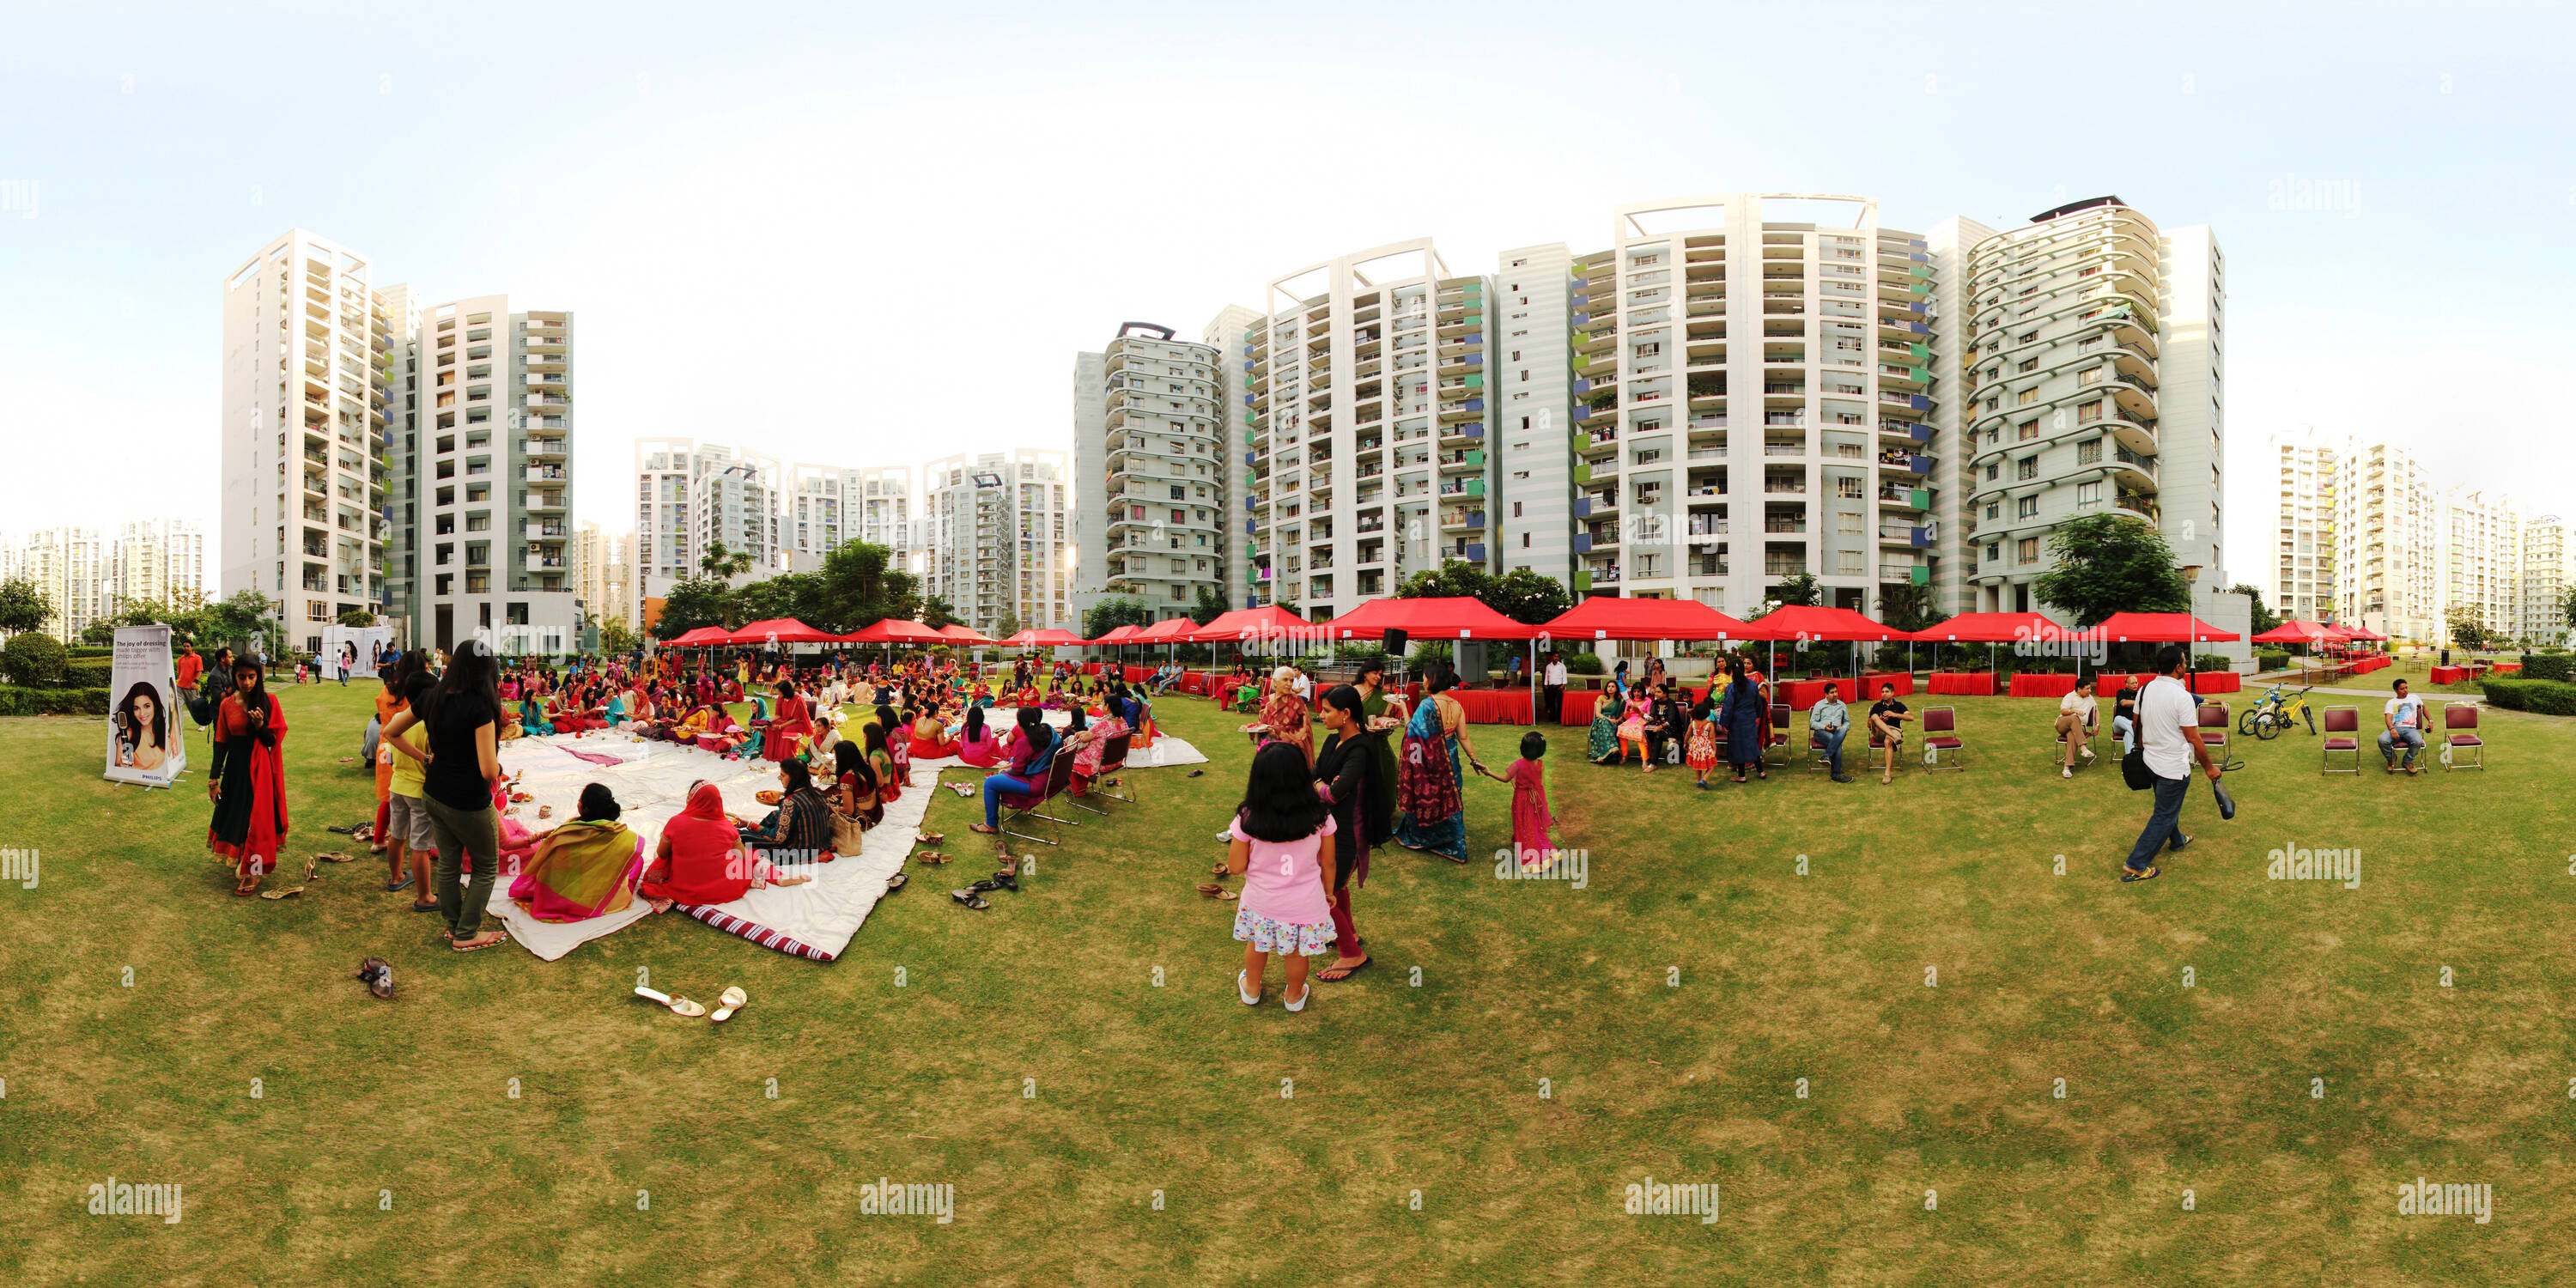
(651, 782)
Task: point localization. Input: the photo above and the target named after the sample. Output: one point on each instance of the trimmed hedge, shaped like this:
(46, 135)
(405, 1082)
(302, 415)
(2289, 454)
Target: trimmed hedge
(15, 701)
(2269, 661)
(2544, 697)
(2545, 666)
(87, 673)
(1583, 664)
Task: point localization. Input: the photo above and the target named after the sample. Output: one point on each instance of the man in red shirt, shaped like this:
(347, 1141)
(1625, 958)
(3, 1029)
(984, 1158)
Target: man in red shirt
(189, 666)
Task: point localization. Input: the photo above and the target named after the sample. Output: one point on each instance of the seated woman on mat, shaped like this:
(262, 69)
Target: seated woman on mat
(930, 740)
(979, 744)
(1032, 755)
(801, 830)
(532, 719)
(584, 868)
(701, 858)
(881, 762)
(854, 787)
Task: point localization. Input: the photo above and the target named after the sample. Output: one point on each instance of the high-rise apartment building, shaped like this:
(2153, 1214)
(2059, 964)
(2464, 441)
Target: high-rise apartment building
(1370, 423)
(491, 478)
(156, 561)
(403, 496)
(2301, 581)
(2092, 363)
(691, 496)
(73, 568)
(307, 373)
(830, 505)
(996, 528)
(2481, 559)
(1752, 397)
(1150, 434)
(2387, 543)
(2548, 571)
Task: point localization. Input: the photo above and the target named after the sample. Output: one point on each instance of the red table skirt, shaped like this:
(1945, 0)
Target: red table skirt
(1802, 694)
(2042, 685)
(1496, 706)
(1091, 668)
(1980, 684)
(2449, 674)
(2217, 682)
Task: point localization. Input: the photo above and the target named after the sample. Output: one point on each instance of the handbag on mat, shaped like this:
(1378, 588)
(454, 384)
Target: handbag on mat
(846, 833)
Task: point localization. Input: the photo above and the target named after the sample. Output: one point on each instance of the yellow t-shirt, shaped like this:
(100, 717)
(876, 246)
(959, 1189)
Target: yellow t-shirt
(407, 771)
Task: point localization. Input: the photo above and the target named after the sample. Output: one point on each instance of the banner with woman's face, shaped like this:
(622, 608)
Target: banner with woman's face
(144, 739)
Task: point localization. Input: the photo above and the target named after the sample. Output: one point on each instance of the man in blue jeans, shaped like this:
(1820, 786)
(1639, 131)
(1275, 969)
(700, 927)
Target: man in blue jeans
(2168, 731)
(2404, 717)
(1830, 721)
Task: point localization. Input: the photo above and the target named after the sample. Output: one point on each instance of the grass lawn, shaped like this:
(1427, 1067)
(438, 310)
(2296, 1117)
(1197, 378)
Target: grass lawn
(1729, 946)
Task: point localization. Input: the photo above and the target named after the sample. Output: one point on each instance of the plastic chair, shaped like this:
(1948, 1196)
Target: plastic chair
(2460, 730)
(1941, 734)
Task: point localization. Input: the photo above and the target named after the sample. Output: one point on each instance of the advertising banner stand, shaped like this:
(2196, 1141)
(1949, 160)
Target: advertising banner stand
(145, 716)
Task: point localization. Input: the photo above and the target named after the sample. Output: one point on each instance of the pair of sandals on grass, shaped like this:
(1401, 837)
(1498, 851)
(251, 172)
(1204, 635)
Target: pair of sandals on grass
(730, 1001)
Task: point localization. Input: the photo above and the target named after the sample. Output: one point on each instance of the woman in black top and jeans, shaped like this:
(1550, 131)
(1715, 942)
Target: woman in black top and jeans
(1363, 809)
(462, 714)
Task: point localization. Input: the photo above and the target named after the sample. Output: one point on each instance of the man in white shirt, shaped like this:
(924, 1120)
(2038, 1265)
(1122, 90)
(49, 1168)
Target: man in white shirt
(2404, 718)
(2076, 721)
(2169, 740)
(1551, 684)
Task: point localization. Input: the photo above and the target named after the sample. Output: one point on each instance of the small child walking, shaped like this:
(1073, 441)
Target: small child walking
(1530, 820)
(1700, 752)
(1277, 842)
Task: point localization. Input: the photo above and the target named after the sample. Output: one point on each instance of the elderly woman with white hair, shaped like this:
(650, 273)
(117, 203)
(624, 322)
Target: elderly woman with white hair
(1284, 716)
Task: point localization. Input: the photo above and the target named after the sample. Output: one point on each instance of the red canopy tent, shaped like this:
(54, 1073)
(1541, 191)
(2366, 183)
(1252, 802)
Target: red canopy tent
(1047, 638)
(1801, 623)
(1456, 618)
(702, 637)
(1253, 625)
(1610, 617)
(1170, 630)
(2302, 631)
(964, 634)
(1118, 636)
(1988, 629)
(780, 630)
(895, 630)
(2162, 628)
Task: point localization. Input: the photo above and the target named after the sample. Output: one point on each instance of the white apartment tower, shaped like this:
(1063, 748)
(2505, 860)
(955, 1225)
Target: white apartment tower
(690, 496)
(2548, 570)
(156, 561)
(493, 470)
(307, 371)
(830, 505)
(2301, 584)
(998, 540)
(403, 498)
(71, 568)
(1231, 333)
(1754, 396)
(2481, 559)
(1370, 424)
(2387, 543)
(2092, 363)
(1149, 431)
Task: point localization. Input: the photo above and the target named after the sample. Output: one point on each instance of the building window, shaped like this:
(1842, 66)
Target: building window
(2029, 550)
(2026, 508)
(2088, 452)
(2087, 413)
(2026, 468)
(2028, 429)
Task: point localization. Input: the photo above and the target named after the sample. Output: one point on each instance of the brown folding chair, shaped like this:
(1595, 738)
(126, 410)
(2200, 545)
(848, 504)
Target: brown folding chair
(1940, 734)
(2343, 733)
(2460, 737)
(1779, 733)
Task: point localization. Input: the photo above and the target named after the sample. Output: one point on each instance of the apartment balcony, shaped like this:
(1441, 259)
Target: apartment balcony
(543, 564)
(1905, 463)
(1912, 536)
(1907, 574)
(2142, 466)
(547, 501)
(546, 474)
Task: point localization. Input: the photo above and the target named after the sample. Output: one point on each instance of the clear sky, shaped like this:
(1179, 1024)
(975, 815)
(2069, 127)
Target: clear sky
(873, 234)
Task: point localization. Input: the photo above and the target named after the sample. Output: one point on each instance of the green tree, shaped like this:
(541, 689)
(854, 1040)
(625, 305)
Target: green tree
(1905, 606)
(1006, 626)
(23, 607)
(2264, 618)
(861, 584)
(2468, 627)
(33, 659)
(1453, 579)
(1211, 605)
(101, 632)
(937, 612)
(1114, 612)
(2111, 563)
(799, 595)
(617, 638)
(2566, 608)
(242, 619)
(1797, 588)
(1530, 598)
(699, 601)
(722, 564)
(357, 617)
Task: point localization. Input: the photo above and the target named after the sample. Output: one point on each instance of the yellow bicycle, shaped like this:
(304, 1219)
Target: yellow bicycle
(2275, 712)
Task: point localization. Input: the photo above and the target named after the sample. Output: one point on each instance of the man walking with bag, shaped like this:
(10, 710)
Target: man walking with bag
(2168, 741)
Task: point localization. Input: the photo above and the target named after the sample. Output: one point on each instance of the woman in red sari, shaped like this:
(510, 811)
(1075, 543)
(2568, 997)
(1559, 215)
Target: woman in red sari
(247, 781)
(791, 720)
(701, 859)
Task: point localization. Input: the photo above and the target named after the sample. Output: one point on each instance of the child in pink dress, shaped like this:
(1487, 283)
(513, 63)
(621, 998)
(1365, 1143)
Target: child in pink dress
(1278, 837)
(1530, 819)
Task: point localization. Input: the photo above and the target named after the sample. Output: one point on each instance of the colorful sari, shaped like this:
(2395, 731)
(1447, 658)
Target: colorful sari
(1285, 714)
(1602, 746)
(250, 762)
(1432, 809)
(581, 870)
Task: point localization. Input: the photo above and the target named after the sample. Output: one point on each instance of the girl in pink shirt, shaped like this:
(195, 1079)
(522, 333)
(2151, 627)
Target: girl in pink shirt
(1278, 838)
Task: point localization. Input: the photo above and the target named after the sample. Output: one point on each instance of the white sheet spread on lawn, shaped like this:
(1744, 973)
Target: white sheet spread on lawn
(652, 782)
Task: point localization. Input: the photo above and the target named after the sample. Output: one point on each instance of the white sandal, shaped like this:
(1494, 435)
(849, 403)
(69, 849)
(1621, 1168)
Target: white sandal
(1300, 1003)
(727, 1004)
(680, 1006)
(1248, 999)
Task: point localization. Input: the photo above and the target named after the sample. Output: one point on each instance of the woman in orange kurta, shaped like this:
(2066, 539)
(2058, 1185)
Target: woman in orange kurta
(247, 781)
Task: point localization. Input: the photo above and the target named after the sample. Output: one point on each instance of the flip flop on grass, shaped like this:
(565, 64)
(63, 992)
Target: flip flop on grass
(730, 1002)
(1336, 974)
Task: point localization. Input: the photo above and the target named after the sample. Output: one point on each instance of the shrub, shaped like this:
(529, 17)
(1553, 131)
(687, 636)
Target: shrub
(87, 673)
(1429, 651)
(2269, 661)
(2542, 666)
(2212, 662)
(33, 660)
(1583, 664)
(2544, 697)
(78, 652)
(16, 701)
